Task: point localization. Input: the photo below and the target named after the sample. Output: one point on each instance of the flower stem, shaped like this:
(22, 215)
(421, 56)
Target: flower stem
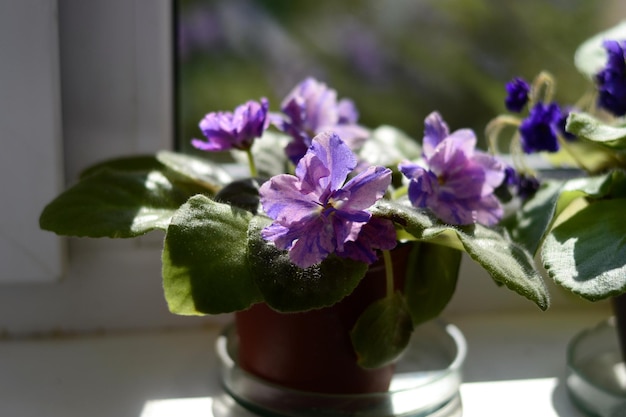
(495, 126)
(517, 155)
(251, 164)
(566, 147)
(542, 88)
(388, 272)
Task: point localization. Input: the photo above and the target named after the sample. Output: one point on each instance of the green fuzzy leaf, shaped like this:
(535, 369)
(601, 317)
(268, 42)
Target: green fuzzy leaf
(117, 204)
(590, 56)
(587, 253)
(529, 225)
(420, 224)
(617, 184)
(387, 146)
(205, 260)
(382, 332)
(141, 163)
(591, 129)
(241, 193)
(507, 262)
(598, 186)
(430, 280)
(202, 171)
(286, 287)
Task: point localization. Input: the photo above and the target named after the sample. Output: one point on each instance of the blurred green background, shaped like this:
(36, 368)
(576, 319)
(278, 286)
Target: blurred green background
(397, 59)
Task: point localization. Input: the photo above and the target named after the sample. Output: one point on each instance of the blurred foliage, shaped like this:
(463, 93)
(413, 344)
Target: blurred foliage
(398, 60)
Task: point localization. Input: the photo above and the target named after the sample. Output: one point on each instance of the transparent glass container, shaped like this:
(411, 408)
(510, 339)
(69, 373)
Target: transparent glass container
(425, 383)
(596, 374)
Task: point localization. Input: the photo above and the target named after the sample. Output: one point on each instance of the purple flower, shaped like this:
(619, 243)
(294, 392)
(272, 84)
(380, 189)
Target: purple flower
(510, 175)
(611, 80)
(238, 129)
(376, 233)
(525, 185)
(456, 182)
(316, 214)
(565, 111)
(540, 129)
(517, 94)
(312, 108)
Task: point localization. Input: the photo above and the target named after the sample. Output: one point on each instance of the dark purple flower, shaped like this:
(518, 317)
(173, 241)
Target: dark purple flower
(565, 111)
(524, 185)
(517, 91)
(611, 80)
(504, 192)
(238, 129)
(316, 214)
(510, 175)
(527, 186)
(455, 181)
(312, 108)
(540, 129)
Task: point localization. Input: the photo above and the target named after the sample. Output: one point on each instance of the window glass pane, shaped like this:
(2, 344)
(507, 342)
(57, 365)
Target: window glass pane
(398, 60)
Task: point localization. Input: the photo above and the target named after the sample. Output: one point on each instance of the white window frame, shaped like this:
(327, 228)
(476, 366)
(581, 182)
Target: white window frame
(107, 66)
(115, 67)
(30, 126)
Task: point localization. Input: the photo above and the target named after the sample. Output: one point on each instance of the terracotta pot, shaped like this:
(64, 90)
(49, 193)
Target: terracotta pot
(312, 350)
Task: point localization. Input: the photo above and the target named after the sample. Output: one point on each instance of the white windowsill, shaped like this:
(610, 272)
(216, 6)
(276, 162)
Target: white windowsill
(515, 367)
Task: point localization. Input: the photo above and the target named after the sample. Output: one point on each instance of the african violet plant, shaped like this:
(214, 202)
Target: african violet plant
(576, 224)
(326, 197)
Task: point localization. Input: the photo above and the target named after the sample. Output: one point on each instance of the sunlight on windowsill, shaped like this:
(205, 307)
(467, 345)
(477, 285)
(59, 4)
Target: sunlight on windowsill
(479, 399)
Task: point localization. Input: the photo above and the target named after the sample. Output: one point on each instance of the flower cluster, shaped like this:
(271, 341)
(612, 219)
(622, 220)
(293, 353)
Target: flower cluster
(541, 130)
(544, 128)
(317, 213)
(545, 123)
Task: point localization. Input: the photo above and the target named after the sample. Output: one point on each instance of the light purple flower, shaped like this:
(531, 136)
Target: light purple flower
(455, 181)
(376, 233)
(238, 129)
(316, 214)
(312, 108)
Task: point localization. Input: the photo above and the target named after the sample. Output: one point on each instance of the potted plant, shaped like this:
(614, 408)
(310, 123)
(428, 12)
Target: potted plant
(576, 224)
(338, 243)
